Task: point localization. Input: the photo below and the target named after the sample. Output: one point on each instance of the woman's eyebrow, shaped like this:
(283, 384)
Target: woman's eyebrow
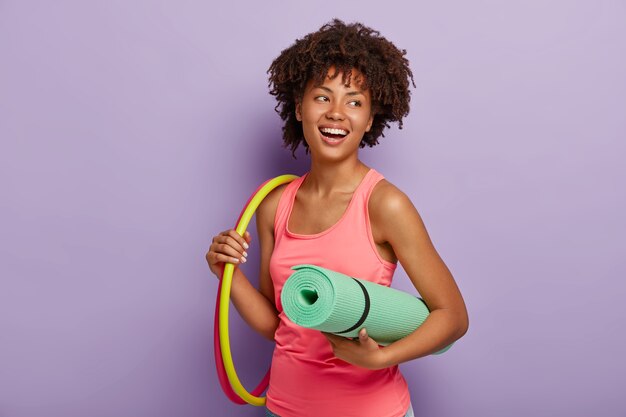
(349, 93)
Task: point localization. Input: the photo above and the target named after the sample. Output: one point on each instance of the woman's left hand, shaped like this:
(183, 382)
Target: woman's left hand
(363, 352)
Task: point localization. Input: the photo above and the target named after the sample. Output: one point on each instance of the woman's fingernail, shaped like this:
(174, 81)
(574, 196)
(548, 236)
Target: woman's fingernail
(245, 254)
(243, 260)
(245, 246)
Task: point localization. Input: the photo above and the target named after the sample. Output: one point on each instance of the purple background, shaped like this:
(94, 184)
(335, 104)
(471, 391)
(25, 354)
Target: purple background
(132, 132)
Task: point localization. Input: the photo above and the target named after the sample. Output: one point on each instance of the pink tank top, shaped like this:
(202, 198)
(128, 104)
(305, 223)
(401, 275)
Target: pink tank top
(306, 378)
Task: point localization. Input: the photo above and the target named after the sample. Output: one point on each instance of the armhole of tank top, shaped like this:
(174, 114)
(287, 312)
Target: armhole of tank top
(282, 207)
(370, 235)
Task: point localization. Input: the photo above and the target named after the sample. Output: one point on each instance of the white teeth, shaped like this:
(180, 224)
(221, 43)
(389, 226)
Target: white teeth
(334, 131)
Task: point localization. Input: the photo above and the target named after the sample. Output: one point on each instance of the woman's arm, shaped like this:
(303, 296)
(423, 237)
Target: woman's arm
(255, 307)
(395, 221)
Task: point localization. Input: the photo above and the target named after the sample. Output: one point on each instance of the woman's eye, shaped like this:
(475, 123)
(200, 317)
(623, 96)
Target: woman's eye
(321, 98)
(355, 103)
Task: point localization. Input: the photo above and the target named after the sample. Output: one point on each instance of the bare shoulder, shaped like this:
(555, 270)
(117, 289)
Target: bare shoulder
(392, 213)
(388, 200)
(266, 211)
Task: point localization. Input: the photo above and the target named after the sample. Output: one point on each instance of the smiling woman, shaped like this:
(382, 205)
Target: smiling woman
(337, 89)
(351, 53)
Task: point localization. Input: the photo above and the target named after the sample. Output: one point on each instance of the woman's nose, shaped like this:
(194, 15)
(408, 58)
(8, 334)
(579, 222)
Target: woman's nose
(335, 112)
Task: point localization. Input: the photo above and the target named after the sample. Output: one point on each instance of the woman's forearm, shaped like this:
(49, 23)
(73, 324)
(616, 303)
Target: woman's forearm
(440, 329)
(254, 307)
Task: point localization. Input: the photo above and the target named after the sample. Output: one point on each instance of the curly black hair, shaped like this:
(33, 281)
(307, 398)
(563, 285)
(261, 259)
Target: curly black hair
(346, 47)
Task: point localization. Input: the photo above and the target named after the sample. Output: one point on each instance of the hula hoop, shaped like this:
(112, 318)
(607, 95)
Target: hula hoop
(229, 380)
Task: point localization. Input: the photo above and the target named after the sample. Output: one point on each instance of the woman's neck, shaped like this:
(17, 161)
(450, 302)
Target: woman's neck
(326, 179)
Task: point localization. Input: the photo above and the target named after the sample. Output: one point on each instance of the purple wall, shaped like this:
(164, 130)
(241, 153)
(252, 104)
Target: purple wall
(134, 131)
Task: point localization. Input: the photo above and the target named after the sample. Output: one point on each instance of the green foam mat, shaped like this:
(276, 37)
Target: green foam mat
(321, 299)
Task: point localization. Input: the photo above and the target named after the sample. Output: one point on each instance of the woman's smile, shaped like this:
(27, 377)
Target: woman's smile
(333, 135)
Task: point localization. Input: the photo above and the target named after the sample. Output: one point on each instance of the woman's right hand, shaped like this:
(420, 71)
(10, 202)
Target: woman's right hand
(228, 246)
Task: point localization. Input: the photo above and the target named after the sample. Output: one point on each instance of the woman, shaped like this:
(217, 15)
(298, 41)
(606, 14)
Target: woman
(337, 89)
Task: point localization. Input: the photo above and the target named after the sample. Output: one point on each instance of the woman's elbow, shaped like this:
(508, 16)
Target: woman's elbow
(270, 331)
(462, 325)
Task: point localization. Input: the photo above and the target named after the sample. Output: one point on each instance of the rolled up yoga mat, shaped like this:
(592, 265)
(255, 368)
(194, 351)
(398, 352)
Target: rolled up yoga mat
(321, 299)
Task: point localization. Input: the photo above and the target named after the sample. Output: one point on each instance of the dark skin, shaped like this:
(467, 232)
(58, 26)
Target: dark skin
(397, 229)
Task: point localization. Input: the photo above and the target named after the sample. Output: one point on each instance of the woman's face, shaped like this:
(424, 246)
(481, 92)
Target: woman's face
(335, 117)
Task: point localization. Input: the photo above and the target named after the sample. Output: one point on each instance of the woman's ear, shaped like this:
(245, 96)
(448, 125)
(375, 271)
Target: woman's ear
(298, 111)
(370, 122)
